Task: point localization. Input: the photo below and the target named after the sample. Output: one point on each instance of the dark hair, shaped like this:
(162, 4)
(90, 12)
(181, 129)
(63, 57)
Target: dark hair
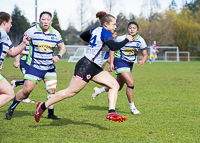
(33, 24)
(46, 12)
(104, 17)
(4, 17)
(133, 22)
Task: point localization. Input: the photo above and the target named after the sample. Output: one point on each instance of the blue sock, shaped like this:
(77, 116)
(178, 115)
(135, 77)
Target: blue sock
(21, 82)
(14, 103)
(50, 111)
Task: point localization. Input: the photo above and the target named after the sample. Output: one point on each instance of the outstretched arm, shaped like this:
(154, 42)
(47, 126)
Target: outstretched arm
(17, 50)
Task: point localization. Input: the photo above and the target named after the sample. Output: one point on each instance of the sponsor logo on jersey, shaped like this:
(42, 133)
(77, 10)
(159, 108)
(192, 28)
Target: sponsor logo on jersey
(45, 46)
(129, 51)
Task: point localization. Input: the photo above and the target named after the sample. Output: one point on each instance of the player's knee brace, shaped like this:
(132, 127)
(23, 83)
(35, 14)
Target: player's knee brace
(50, 87)
(132, 87)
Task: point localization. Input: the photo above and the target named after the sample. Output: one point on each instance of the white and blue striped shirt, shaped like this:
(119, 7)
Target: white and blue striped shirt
(5, 44)
(129, 51)
(41, 47)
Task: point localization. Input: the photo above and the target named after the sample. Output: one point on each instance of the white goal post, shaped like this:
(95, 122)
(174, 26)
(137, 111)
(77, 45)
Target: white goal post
(183, 55)
(161, 54)
(75, 52)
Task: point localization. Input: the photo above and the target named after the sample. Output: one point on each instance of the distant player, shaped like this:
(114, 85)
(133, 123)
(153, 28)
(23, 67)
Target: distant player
(123, 63)
(89, 67)
(40, 61)
(6, 47)
(154, 52)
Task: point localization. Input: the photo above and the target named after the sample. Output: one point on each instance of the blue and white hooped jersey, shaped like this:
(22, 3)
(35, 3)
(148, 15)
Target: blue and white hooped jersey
(96, 49)
(41, 47)
(5, 44)
(129, 51)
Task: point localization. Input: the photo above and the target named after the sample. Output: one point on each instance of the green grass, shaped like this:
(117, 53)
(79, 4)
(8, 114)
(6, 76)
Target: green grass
(167, 94)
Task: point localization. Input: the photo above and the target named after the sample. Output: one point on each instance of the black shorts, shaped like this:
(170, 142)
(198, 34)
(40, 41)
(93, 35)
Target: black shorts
(86, 70)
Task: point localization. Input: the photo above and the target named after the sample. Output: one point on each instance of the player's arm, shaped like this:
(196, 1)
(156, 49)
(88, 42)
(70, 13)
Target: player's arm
(86, 35)
(111, 66)
(144, 59)
(62, 51)
(24, 52)
(17, 50)
(16, 63)
(114, 46)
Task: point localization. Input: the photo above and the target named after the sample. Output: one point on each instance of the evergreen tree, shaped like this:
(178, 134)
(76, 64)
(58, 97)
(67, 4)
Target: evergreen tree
(19, 25)
(56, 25)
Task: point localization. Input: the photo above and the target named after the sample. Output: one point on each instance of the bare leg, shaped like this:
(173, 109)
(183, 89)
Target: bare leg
(72, 90)
(111, 83)
(6, 92)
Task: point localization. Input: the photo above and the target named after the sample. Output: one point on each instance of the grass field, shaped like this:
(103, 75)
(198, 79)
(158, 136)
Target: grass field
(167, 94)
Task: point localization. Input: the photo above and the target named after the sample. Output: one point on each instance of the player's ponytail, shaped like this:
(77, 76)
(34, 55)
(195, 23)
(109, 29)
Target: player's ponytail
(104, 17)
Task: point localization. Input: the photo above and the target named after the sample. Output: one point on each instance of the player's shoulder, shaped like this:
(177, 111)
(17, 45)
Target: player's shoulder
(54, 31)
(120, 38)
(3, 33)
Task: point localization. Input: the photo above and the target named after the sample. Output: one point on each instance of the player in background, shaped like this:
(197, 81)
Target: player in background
(89, 67)
(154, 52)
(22, 65)
(40, 62)
(6, 47)
(107, 55)
(123, 63)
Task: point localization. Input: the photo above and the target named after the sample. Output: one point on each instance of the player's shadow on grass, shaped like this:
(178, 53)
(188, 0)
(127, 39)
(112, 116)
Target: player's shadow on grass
(95, 107)
(65, 121)
(17, 114)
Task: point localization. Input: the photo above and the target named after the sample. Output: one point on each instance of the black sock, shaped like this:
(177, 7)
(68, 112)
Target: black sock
(111, 110)
(21, 82)
(14, 103)
(50, 111)
(43, 106)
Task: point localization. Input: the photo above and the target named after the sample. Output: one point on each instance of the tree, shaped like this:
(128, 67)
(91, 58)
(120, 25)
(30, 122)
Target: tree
(19, 25)
(110, 5)
(149, 11)
(82, 9)
(173, 5)
(187, 32)
(121, 24)
(56, 25)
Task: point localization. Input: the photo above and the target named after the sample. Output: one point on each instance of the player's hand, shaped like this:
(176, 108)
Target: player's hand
(26, 39)
(130, 38)
(55, 59)
(16, 64)
(141, 63)
(110, 68)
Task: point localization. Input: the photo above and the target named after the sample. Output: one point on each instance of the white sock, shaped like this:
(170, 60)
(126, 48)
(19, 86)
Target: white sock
(101, 90)
(132, 105)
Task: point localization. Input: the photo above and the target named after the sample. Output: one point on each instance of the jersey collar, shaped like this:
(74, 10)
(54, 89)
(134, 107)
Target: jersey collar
(1, 27)
(51, 29)
(137, 37)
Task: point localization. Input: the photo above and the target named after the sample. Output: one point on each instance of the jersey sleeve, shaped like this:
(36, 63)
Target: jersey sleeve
(106, 36)
(143, 44)
(58, 37)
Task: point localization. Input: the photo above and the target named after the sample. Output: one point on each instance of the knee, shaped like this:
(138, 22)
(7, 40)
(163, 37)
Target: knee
(130, 83)
(26, 91)
(115, 86)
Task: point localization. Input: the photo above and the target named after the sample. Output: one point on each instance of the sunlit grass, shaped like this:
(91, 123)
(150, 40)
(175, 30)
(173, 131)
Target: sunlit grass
(167, 94)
